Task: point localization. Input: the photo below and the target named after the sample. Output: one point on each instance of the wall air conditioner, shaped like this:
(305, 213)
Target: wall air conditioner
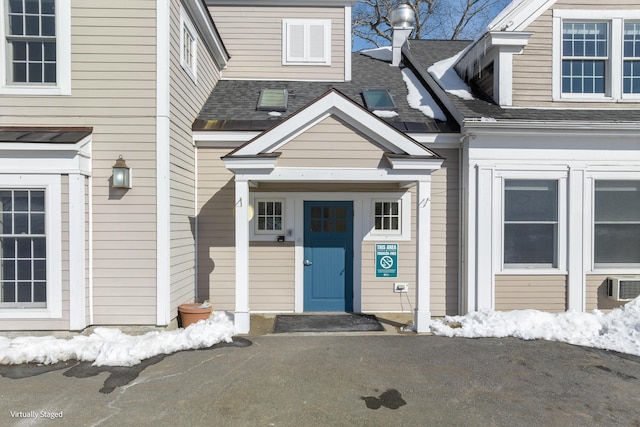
(623, 288)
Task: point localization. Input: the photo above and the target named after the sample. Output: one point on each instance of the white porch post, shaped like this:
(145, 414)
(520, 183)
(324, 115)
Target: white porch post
(575, 263)
(422, 315)
(242, 317)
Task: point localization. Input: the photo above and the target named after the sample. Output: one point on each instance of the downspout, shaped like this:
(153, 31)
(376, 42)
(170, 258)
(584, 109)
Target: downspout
(90, 244)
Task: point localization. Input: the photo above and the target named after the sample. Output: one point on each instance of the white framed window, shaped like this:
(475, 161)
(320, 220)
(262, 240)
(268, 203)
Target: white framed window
(30, 246)
(36, 47)
(387, 217)
(269, 216)
(616, 223)
(530, 221)
(188, 45)
(596, 55)
(306, 42)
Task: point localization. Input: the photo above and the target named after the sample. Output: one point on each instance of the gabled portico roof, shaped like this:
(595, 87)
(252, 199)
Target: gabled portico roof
(332, 103)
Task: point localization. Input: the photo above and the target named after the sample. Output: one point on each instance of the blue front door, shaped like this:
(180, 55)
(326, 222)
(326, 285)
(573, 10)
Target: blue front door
(328, 256)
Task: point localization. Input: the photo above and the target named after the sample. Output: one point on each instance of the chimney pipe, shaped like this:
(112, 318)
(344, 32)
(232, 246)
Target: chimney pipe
(402, 21)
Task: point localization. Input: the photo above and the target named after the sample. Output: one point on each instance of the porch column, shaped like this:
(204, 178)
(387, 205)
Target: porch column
(422, 315)
(242, 317)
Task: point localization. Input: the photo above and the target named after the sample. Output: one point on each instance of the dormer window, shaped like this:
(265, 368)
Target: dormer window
(596, 55)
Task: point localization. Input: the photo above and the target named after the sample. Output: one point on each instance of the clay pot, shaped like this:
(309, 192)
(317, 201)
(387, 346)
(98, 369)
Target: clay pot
(193, 312)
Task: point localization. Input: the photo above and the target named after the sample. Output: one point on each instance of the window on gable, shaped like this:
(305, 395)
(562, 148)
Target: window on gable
(188, 45)
(23, 254)
(31, 42)
(530, 223)
(585, 47)
(616, 223)
(306, 42)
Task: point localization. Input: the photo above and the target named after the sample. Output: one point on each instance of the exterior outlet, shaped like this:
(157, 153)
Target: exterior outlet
(401, 287)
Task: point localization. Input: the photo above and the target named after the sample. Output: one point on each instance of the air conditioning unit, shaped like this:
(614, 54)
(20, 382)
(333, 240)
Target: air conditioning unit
(623, 288)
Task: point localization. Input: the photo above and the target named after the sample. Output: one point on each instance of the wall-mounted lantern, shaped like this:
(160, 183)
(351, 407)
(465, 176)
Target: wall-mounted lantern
(121, 174)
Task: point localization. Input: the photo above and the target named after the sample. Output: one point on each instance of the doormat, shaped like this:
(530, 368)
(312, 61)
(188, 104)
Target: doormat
(326, 323)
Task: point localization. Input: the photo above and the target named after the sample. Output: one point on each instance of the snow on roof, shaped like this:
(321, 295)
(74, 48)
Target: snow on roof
(419, 98)
(381, 53)
(446, 76)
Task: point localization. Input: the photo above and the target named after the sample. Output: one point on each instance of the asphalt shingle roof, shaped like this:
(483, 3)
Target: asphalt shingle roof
(424, 53)
(232, 103)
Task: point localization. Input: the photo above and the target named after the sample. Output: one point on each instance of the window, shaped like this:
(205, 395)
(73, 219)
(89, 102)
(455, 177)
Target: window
(584, 57)
(188, 45)
(386, 215)
(530, 223)
(596, 55)
(270, 217)
(23, 253)
(36, 47)
(378, 99)
(631, 66)
(306, 42)
(616, 223)
(273, 100)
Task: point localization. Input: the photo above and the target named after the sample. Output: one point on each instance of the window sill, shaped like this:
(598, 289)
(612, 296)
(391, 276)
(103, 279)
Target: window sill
(532, 271)
(35, 91)
(26, 313)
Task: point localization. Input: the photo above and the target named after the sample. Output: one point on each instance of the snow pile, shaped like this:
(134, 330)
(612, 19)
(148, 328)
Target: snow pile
(111, 347)
(380, 53)
(385, 114)
(444, 73)
(618, 330)
(419, 98)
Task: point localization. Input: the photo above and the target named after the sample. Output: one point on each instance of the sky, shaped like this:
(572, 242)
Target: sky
(618, 330)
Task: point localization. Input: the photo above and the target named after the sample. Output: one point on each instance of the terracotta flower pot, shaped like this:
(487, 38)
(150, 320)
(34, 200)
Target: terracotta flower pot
(193, 312)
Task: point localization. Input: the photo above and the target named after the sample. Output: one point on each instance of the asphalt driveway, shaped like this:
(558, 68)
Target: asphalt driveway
(373, 380)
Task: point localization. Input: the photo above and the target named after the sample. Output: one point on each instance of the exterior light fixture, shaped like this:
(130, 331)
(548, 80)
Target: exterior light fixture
(121, 174)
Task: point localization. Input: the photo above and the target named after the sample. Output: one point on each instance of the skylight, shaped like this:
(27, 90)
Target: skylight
(273, 100)
(378, 99)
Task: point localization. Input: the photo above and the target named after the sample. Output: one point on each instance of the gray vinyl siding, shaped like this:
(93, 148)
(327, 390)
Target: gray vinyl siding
(253, 37)
(186, 98)
(539, 292)
(113, 89)
(532, 70)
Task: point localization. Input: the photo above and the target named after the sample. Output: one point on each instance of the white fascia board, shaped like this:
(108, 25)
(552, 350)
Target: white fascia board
(521, 16)
(333, 103)
(46, 158)
(201, 138)
(210, 35)
(333, 175)
(412, 163)
(453, 139)
(486, 127)
(509, 38)
(250, 163)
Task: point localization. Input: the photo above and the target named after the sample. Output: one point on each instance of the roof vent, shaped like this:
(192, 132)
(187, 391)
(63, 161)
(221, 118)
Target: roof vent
(403, 19)
(403, 16)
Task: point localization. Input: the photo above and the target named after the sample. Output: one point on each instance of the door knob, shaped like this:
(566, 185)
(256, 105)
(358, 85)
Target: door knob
(307, 262)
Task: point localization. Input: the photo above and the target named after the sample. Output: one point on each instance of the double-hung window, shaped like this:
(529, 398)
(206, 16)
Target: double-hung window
(631, 64)
(36, 47)
(188, 45)
(530, 231)
(23, 249)
(585, 47)
(616, 235)
(596, 55)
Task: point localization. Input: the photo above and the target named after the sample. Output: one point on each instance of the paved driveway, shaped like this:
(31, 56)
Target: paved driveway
(383, 380)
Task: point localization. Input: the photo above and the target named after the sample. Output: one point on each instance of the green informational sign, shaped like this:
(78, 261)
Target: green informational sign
(386, 260)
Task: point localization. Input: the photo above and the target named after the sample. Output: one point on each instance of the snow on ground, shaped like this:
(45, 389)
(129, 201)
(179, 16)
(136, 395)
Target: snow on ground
(111, 347)
(618, 330)
(444, 73)
(419, 98)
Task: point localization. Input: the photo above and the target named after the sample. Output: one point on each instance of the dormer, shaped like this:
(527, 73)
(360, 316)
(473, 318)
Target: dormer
(285, 40)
